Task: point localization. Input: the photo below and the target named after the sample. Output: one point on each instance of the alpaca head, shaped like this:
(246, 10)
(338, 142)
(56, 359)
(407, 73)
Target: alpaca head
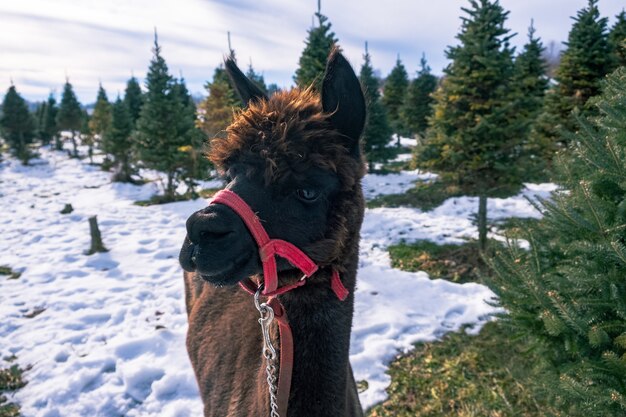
(295, 159)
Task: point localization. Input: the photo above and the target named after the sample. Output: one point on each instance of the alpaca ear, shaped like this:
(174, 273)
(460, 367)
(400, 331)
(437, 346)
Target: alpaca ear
(246, 89)
(342, 98)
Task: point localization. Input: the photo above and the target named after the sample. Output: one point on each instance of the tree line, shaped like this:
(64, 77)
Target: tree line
(493, 120)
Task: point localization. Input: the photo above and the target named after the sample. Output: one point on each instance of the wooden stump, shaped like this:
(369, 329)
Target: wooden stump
(67, 209)
(96, 237)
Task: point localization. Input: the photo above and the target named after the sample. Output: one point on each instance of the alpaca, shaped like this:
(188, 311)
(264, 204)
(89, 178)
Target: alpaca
(295, 159)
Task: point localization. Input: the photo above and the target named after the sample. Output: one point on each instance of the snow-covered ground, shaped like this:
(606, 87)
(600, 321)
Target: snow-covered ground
(408, 142)
(376, 185)
(110, 340)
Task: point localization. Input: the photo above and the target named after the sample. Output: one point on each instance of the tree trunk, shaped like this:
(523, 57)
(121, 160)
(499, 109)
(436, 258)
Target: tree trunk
(58, 143)
(96, 237)
(75, 154)
(122, 171)
(169, 191)
(482, 222)
(22, 154)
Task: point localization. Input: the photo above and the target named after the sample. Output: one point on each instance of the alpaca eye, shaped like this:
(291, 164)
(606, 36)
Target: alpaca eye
(307, 194)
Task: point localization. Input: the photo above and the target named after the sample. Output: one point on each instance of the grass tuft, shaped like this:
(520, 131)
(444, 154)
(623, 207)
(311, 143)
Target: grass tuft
(456, 263)
(465, 376)
(208, 192)
(7, 270)
(162, 199)
(11, 379)
(514, 227)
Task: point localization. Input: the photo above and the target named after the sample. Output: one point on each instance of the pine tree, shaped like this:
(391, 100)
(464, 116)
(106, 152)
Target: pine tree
(70, 115)
(256, 78)
(192, 164)
(617, 41)
(475, 138)
(312, 62)
(377, 131)
(567, 293)
(117, 141)
(39, 118)
(101, 117)
(272, 89)
(49, 129)
(394, 92)
(531, 82)
(17, 124)
(418, 104)
(215, 112)
(87, 134)
(157, 130)
(583, 64)
(100, 120)
(133, 98)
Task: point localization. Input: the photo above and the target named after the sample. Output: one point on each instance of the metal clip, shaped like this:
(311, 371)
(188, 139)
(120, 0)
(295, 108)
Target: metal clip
(267, 316)
(269, 353)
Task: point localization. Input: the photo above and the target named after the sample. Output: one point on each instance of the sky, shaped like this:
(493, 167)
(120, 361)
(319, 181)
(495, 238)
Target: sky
(94, 41)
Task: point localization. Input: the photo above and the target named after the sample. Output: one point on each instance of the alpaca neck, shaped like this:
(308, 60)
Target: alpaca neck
(321, 331)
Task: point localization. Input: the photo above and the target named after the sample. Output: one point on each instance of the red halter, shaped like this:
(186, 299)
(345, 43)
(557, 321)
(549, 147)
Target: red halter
(268, 250)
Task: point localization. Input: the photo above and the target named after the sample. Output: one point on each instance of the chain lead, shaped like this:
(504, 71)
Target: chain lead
(269, 353)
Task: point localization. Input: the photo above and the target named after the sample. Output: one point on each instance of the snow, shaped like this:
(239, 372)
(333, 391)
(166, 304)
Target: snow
(111, 338)
(403, 157)
(407, 142)
(376, 185)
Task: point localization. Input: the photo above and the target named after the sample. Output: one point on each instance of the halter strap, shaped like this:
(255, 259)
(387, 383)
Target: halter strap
(270, 248)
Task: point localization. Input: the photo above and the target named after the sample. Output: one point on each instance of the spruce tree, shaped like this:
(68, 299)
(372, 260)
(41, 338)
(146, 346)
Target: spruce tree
(475, 138)
(531, 82)
(617, 41)
(101, 117)
(17, 124)
(50, 130)
(272, 89)
(583, 64)
(394, 92)
(100, 120)
(70, 115)
(39, 118)
(157, 131)
(215, 112)
(418, 103)
(568, 292)
(530, 73)
(87, 134)
(312, 62)
(133, 98)
(190, 160)
(256, 78)
(117, 141)
(377, 131)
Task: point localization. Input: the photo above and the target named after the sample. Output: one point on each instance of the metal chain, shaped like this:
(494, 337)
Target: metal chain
(269, 353)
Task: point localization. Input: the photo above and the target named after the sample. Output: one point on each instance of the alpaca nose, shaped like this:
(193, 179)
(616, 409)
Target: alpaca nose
(211, 225)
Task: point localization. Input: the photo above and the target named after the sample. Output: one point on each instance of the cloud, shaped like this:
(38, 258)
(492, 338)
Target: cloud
(92, 41)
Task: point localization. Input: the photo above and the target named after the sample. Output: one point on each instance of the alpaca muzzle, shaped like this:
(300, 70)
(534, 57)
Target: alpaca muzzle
(270, 248)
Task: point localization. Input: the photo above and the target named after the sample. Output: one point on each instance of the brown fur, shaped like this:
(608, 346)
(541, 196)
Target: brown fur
(291, 133)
